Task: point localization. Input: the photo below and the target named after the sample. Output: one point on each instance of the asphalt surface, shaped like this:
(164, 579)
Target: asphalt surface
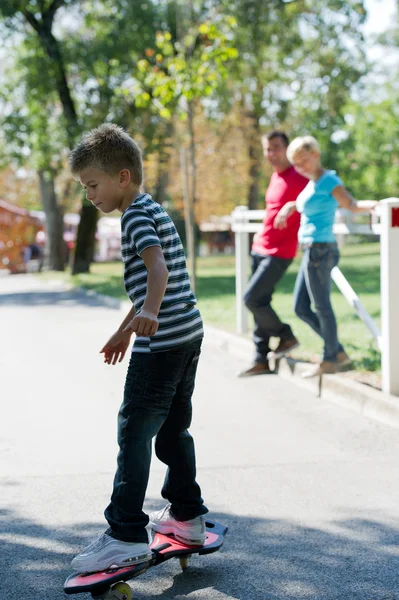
(308, 490)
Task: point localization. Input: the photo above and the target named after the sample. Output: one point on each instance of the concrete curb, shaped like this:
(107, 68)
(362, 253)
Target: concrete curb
(107, 300)
(350, 394)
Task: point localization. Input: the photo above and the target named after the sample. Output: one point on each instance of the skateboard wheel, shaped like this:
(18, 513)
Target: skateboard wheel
(120, 591)
(183, 562)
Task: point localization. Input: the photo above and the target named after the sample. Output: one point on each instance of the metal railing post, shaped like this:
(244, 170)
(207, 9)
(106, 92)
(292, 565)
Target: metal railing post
(389, 211)
(240, 217)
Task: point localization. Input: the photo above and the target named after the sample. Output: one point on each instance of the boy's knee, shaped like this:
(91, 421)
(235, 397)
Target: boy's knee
(160, 446)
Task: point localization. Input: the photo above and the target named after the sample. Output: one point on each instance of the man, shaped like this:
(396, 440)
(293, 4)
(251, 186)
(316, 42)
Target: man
(273, 250)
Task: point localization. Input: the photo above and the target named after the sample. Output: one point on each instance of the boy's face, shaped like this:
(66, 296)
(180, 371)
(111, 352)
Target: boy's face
(105, 192)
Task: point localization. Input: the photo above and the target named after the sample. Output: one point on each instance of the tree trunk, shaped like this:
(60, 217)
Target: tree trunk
(86, 239)
(161, 185)
(163, 165)
(43, 28)
(188, 217)
(254, 162)
(84, 250)
(55, 252)
(191, 241)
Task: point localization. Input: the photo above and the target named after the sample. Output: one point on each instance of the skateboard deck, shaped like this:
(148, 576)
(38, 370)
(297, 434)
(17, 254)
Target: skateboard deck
(109, 585)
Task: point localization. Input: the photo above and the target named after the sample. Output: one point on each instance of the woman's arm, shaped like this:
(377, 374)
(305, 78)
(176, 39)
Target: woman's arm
(345, 200)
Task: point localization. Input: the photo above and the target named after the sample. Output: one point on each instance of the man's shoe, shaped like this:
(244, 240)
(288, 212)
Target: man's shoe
(343, 360)
(284, 347)
(324, 368)
(106, 552)
(191, 532)
(256, 369)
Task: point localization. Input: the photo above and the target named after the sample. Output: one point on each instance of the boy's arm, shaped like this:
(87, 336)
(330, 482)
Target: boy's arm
(115, 349)
(157, 280)
(146, 322)
(127, 319)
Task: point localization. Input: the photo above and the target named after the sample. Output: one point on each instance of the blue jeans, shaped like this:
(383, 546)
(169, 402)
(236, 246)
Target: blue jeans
(313, 286)
(266, 273)
(157, 403)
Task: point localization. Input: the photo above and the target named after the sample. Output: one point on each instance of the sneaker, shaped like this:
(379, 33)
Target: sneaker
(284, 347)
(324, 368)
(191, 532)
(107, 552)
(256, 369)
(343, 360)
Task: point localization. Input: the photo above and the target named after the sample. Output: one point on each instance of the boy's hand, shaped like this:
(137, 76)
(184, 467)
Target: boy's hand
(145, 324)
(115, 348)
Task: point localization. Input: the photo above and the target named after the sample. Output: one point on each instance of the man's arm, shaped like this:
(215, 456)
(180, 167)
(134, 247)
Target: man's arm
(284, 213)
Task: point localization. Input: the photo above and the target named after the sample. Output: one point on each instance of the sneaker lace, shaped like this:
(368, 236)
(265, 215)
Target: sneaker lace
(165, 510)
(98, 543)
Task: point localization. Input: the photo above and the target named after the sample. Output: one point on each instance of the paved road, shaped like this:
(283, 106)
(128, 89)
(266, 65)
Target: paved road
(308, 489)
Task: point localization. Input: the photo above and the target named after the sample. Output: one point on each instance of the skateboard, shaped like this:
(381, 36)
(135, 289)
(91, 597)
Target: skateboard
(112, 584)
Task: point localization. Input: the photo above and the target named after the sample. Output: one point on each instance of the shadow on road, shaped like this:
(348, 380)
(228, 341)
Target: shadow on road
(261, 560)
(67, 298)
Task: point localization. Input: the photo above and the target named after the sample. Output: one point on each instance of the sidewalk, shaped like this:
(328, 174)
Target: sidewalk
(343, 391)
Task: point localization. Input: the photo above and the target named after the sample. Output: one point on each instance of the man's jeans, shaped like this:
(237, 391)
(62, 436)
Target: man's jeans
(313, 286)
(157, 402)
(266, 273)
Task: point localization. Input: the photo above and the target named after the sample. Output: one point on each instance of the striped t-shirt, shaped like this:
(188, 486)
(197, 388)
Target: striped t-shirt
(145, 223)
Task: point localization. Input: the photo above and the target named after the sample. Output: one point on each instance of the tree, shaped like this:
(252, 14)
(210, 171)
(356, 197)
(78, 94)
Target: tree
(96, 56)
(31, 132)
(40, 17)
(298, 62)
(174, 77)
(367, 149)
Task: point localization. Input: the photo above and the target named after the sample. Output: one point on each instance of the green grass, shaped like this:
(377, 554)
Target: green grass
(360, 263)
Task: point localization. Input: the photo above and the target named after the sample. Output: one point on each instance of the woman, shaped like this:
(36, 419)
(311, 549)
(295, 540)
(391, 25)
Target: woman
(317, 204)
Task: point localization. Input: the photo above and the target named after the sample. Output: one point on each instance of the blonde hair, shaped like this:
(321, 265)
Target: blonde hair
(110, 149)
(306, 142)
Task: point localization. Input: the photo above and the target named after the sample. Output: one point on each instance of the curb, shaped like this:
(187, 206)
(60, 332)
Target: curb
(108, 301)
(365, 400)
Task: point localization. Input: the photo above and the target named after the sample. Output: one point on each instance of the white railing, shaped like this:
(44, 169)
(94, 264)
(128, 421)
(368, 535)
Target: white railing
(385, 223)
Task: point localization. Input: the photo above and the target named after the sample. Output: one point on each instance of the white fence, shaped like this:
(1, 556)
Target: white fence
(385, 223)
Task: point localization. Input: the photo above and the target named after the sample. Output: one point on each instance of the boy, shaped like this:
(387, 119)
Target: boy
(162, 369)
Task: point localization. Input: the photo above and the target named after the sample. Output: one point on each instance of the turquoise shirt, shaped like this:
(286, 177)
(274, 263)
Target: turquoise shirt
(317, 207)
